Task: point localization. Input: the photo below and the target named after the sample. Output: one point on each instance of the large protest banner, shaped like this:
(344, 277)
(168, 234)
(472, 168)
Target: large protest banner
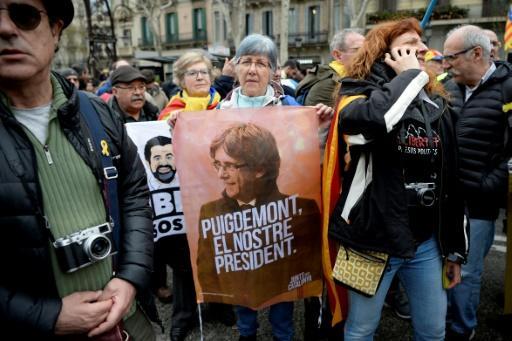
(155, 147)
(250, 183)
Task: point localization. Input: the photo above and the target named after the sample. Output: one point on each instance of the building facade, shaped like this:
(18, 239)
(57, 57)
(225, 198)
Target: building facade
(213, 26)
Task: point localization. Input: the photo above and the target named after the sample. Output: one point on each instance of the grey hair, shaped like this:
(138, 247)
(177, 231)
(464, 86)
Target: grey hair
(259, 45)
(339, 40)
(473, 35)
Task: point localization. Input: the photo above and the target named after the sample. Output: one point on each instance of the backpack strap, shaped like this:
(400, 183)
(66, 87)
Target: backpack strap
(110, 174)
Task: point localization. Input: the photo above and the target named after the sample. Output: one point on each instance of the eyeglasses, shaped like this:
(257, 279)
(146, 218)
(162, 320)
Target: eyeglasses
(132, 88)
(195, 73)
(453, 56)
(258, 64)
(495, 43)
(228, 166)
(25, 17)
(351, 50)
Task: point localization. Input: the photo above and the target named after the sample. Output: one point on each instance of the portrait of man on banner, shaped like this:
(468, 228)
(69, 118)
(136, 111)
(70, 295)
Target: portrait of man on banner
(156, 151)
(255, 243)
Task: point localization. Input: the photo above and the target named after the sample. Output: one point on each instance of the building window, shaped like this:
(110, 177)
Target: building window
(313, 21)
(171, 27)
(127, 37)
(199, 24)
(267, 23)
(292, 21)
(248, 24)
(337, 14)
(387, 5)
(225, 29)
(220, 34)
(218, 24)
(147, 34)
(494, 8)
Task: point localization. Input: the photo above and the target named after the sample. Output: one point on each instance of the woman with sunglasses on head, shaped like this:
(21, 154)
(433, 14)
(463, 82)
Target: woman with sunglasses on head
(400, 193)
(193, 73)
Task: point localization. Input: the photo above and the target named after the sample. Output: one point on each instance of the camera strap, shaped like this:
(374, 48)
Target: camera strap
(109, 181)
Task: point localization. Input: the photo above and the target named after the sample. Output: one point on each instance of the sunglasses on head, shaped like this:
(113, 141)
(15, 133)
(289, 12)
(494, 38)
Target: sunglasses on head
(25, 17)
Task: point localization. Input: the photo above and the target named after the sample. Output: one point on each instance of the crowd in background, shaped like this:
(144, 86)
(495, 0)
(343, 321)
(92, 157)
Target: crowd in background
(423, 147)
(196, 85)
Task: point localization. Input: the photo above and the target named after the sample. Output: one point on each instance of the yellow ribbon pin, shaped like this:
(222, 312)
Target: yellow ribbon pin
(104, 148)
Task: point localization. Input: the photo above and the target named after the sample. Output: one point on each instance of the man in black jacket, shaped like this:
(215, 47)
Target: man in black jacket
(479, 88)
(51, 195)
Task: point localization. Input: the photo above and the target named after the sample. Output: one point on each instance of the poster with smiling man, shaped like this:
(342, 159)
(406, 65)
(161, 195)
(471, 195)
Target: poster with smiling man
(155, 147)
(250, 184)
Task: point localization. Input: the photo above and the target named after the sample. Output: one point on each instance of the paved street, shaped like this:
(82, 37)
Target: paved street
(391, 327)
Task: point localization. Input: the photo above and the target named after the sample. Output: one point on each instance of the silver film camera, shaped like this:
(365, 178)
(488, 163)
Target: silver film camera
(80, 249)
(421, 194)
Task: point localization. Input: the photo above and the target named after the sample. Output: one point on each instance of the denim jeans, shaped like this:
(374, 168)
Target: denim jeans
(465, 297)
(421, 278)
(280, 317)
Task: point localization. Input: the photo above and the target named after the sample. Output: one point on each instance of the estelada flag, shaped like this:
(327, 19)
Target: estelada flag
(508, 31)
(331, 191)
(250, 185)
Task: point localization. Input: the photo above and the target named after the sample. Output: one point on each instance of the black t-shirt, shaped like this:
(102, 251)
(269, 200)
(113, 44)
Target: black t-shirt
(420, 147)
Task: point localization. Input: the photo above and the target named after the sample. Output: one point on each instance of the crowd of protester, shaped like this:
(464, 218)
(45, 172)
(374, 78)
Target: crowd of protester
(394, 91)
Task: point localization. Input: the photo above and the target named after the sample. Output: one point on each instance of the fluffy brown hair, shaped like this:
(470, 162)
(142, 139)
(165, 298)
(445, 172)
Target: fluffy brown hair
(377, 43)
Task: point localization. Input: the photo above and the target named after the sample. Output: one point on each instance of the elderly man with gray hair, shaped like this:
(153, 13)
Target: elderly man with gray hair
(479, 88)
(320, 85)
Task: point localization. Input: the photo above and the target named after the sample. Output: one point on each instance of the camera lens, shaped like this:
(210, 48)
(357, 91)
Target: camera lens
(97, 247)
(426, 197)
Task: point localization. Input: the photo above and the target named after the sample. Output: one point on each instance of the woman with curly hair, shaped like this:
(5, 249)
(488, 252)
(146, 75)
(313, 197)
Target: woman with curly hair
(399, 182)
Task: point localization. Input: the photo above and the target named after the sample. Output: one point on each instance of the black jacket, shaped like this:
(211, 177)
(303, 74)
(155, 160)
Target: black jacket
(379, 218)
(29, 302)
(480, 130)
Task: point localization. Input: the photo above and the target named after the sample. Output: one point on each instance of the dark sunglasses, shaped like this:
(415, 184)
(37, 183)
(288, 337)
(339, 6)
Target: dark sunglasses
(25, 17)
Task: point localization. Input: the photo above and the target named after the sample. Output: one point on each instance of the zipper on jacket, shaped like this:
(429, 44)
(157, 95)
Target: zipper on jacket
(441, 191)
(48, 154)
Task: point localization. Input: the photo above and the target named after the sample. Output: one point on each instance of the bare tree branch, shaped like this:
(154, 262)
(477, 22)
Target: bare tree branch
(152, 10)
(283, 48)
(356, 18)
(234, 14)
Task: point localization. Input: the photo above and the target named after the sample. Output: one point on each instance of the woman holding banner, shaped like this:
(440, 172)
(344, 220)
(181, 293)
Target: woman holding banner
(256, 62)
(399, 180)
(193, 73)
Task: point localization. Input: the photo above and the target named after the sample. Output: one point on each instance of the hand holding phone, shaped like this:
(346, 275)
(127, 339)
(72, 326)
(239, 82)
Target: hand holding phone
(402, 58)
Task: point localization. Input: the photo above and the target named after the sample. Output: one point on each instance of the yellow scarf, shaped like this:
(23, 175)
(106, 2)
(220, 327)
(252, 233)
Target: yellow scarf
(338, 67)
(198, 103)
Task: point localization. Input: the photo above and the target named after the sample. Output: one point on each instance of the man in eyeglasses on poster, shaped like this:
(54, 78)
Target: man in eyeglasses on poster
(279, 251)
(128, 88)
(57, 229)
(481, 90)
